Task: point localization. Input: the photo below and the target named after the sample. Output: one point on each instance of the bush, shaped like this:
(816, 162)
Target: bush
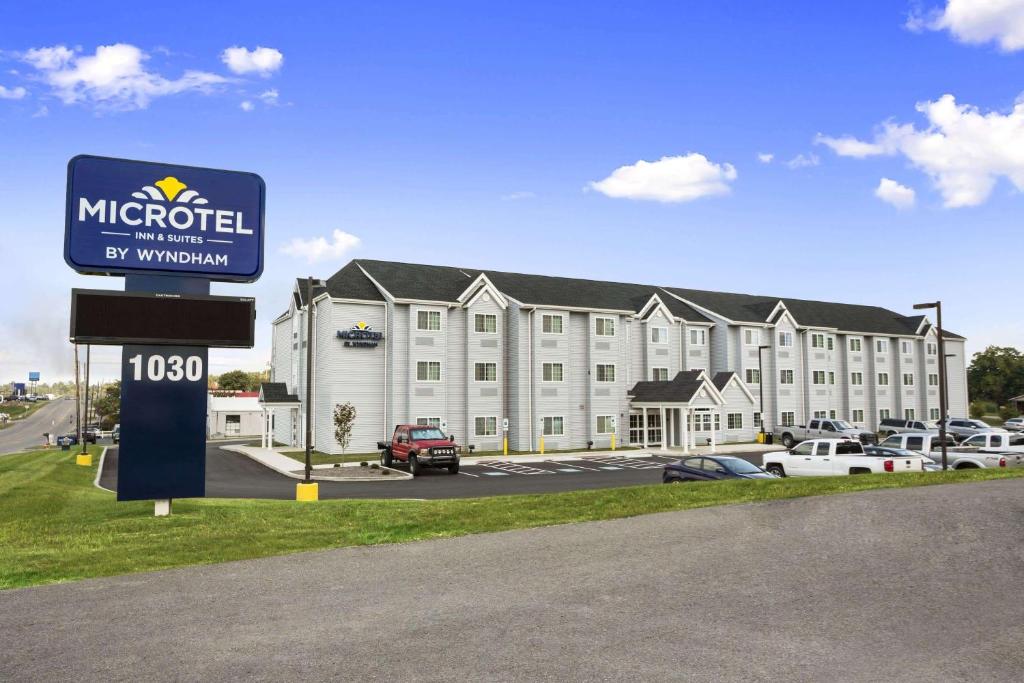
(1006, 412)
(980, 409)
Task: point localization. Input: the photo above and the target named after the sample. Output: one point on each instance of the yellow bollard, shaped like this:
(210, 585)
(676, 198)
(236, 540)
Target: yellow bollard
(504, 446)
(613, 442)
(542, 445)
(307, 492)
(84, 459)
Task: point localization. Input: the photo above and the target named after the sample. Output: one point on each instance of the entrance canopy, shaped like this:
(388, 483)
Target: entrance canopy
(275, 395)
(676, 402)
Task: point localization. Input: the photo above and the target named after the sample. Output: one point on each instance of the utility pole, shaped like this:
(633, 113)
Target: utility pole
(943, 417)
(760, 384)
(81, 435)
(309, 376)
(78, 400)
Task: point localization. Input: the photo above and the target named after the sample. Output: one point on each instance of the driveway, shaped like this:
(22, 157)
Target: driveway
(895, 585)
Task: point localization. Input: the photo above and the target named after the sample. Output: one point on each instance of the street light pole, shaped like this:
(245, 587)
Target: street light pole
(937, 305)
(760, 385)
(309, 376)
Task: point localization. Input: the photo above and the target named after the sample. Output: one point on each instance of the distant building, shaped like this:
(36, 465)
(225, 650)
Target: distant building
(234, 416)
(577, 360)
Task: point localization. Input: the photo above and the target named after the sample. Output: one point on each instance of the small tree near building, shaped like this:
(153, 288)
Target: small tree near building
(344, 420)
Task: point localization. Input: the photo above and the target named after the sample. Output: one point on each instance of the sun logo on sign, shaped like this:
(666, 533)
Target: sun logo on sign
(170, 188)
(361, 326)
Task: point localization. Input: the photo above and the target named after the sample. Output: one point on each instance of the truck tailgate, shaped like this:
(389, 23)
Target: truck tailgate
(907, 464)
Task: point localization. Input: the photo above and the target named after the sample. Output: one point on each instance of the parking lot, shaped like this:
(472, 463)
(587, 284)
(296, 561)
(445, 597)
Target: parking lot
(233, 475)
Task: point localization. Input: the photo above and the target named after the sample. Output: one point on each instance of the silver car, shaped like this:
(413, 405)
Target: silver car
(1014, 424)
(961, 428)
(891, 425)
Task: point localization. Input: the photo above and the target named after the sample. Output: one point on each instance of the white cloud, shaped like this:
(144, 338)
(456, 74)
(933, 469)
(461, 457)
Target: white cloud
(263, 60)
(670, 179)
(803, 161)
(848, 146)
(516, 196)
(891, 192)
(977, 22)
(112, 78)
(41, 112)
(246, 105)
(962, 150)
(269, 97)
(15, 93)
(765, 157)
(319, 249)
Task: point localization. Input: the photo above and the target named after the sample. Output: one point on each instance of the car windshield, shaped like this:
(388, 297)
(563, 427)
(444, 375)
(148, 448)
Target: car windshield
(978, 424)
(842, 424)
(931, 425)
(739, 466)
(428, 433)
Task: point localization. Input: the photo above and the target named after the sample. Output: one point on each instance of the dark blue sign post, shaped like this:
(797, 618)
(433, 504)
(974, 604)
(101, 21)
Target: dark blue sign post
(170, 230)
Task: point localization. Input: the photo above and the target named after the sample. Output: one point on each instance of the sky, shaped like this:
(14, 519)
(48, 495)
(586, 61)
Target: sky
(863, 152)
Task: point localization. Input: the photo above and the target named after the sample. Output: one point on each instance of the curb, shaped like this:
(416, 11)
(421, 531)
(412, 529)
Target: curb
(99, 472)
(291, 475)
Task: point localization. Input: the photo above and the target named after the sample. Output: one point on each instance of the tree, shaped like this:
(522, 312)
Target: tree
(344, 420)
(108, 405)
(996, 374)
(237, 380)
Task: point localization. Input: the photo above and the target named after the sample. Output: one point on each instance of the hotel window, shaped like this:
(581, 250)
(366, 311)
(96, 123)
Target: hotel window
(605, 424)
(883, 414)
(881, 345)
(905, 346)
(785, 338)
(933, 413)
(857, 416)
(883, 379)
(697, 337)
(486, 426)
(931, 348)
(718, 422)
(820, 414)
(832, 414)
(605, 373)
(831, 377)
(659, 374)
(605, 327)
(428, 371)
(428, 421)
(485, 372)
(551, 324)
(830, 343)
(908, 379)
(486, 323)
(734, 420)
(757, 420)
(785, 376)
(554, 426)
(751, 337)
(429, 321)
(753, 376)
(856, 378)
(855, 344)
(817, 341)
(788, 419)
(553, 372)
(659, 335)
(933, 380)
(908, 414)
(818, 377)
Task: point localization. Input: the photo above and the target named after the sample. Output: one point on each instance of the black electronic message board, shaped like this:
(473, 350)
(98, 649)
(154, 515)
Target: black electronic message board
(112, 317)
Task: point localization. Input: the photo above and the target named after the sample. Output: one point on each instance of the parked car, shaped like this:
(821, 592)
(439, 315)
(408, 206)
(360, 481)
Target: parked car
(957, 457)
(930, 465)
(962, 428)
(1000, 441)
(115, 435)
(925, 443)
(823, 429)
(891, 425)
(1014, 424)
(73, 438)
(827, 457)
(420, 446)
(711, 468)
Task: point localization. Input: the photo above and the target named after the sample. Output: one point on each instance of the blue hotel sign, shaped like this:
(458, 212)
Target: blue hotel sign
(140, 217)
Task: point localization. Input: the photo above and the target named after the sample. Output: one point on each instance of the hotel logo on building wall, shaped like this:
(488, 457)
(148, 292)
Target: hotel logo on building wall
(361, 334)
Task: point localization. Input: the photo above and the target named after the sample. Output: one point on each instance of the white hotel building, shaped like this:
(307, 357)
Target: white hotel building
(577, 360)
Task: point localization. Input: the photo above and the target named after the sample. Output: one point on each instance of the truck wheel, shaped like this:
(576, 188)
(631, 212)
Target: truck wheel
(414, 465)
(776, 470)
(453, 468)
(386, 458)
(788, 441)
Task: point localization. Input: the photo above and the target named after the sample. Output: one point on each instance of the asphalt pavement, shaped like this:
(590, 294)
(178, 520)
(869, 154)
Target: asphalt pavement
(233, 475)
(915, 584)
(53, 417)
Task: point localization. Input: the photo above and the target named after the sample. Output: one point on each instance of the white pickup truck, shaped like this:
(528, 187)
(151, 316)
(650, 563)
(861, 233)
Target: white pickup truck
(989, 449)
(828, 457)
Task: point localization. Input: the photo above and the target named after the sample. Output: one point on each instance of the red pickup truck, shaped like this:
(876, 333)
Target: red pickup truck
(420, 446)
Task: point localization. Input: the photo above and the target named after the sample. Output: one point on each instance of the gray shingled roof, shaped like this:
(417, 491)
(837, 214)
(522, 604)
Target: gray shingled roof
(276, 392)
(721, 379)
(446, 283)
(679, 389)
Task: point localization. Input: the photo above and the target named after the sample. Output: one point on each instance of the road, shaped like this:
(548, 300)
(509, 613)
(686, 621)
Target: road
(232, 475)
(28, 433)
(856, 587)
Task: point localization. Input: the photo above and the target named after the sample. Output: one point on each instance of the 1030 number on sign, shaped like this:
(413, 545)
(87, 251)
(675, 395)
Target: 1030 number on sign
(173, 368)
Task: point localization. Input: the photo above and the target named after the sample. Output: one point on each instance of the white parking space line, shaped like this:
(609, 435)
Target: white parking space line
(630, 463)
(468, 474)
(568, 469)
(610, 467)
(573, 464)
(496, 474)
(513, 468)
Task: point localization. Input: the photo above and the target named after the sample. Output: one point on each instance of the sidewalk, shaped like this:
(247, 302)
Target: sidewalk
(282, 464)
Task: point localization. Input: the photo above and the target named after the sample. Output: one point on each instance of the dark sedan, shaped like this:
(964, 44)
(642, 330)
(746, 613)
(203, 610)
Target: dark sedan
(711, 468)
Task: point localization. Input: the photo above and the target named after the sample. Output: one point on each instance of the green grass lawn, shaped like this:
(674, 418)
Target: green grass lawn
(56, 526)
